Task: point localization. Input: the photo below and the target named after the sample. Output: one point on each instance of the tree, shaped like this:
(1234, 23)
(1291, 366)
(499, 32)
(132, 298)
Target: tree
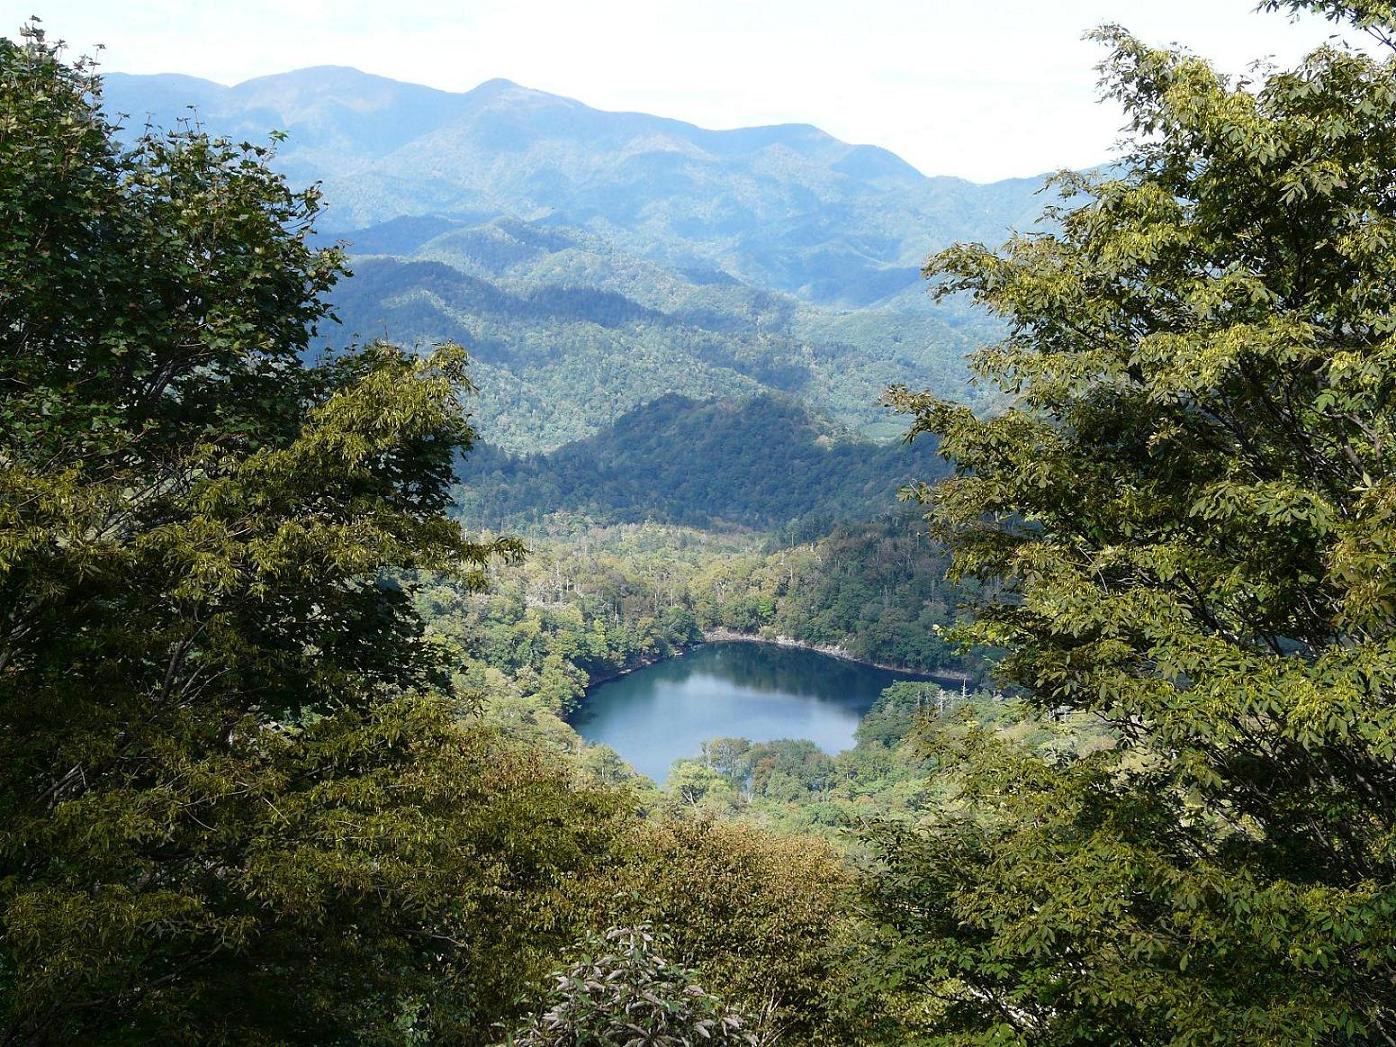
(236, 804)
(764, 917)
(1192, 497)
(692, 782)
(623, 992)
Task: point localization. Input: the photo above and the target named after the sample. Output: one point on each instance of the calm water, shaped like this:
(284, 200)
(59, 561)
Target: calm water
(763, 692)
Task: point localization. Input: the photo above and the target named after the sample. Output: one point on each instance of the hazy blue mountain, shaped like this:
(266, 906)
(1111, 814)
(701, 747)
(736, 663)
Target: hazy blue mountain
(786, 207)
(594, 262)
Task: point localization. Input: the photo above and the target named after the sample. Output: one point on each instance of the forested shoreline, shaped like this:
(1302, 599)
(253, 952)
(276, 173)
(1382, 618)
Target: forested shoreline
(721, 635)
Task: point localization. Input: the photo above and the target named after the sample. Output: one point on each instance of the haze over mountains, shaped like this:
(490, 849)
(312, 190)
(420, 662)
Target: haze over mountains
(594, 262)
(786, 207)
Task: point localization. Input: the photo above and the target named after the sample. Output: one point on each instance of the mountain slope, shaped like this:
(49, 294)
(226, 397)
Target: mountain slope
(568, 332)
(764, 463)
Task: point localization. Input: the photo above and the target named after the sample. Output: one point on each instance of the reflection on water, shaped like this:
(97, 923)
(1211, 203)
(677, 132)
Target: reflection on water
(763, 692)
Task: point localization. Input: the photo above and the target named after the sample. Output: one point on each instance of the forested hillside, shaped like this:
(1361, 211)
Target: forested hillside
(589, 606)
(244, 800)
(285, 748)
(595, 261)
(568, 332)
(764, 464)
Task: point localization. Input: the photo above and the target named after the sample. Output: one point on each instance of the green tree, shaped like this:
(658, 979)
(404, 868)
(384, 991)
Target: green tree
(763, 917)
(1193, 498)
(625, 992)
(234, 804)
(692, 782)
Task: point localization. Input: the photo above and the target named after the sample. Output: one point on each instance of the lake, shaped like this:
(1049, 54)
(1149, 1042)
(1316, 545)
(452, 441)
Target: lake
(655, 715)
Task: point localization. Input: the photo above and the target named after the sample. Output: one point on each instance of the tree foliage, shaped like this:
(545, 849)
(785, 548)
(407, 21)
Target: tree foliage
(876, 591)
(624, 993)
(688, 462)
(1193, 500)
(244, 796)
(231, 802)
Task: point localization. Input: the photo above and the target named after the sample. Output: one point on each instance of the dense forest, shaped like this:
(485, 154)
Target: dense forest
(713, 464)
(576, 612)
(284, 751)
(568, 332)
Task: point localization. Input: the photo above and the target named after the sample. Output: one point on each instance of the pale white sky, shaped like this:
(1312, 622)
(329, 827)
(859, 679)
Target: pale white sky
(984, 89)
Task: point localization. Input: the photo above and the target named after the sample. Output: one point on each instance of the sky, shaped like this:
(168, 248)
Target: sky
(983, 89)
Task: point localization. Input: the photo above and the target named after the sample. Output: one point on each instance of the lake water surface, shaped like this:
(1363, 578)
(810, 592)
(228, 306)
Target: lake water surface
(763, 692)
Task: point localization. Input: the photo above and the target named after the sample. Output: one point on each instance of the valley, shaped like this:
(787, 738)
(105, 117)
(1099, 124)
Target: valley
(679, 343)
(482, 569)
(669, 362)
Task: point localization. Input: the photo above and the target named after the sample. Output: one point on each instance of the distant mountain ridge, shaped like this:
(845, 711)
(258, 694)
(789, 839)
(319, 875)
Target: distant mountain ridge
(594, 262)
(568, 331)
(784, 207)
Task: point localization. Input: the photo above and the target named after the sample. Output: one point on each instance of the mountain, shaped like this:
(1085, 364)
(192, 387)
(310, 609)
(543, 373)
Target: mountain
(766, 463)
(786, 208)
(594, 261)
(568, 332)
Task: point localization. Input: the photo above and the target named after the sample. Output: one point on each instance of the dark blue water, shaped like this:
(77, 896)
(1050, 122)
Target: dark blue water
(665, 711)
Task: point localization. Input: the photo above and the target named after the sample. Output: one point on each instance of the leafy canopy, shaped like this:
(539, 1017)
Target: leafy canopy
(624, 992)
(1194, 502)
(231, 801)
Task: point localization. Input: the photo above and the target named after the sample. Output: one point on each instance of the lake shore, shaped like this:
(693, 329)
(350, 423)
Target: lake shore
(764, 692)
(731, 636)
(644, 663)
(833, 651)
